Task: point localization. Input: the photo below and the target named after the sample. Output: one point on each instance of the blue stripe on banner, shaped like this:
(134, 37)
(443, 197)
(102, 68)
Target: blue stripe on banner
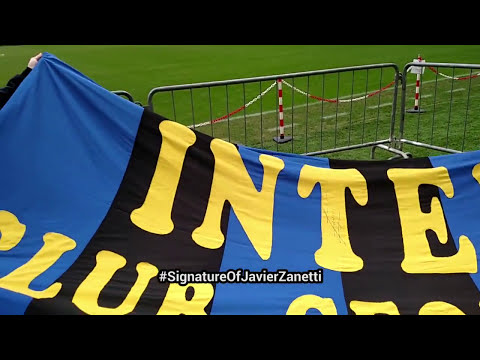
(462, 212)
(293, 248)
(65, 143)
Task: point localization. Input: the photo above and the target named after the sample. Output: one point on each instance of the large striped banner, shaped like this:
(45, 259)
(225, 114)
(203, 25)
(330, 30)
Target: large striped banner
(107, 208)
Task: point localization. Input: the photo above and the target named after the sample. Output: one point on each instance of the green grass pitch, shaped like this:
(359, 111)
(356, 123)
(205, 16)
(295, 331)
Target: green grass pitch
(314, 125)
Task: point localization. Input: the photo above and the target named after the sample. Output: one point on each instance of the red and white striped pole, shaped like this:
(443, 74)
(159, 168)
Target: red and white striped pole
(417, 88)
(416, 108)
(280, 109)
(282, 138)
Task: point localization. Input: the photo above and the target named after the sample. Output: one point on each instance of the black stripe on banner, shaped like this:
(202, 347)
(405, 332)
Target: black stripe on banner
(376, 236)
(118, 234)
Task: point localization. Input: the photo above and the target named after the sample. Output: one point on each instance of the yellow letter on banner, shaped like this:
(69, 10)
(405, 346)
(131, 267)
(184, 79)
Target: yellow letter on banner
(476, 173)
(55, 245)
(253, 209)
(439, 308)
(302, 304)
(87, 294)
(336, 252)
(155, 215)
(175, 302)
(11, 231)
(415, 223)
(372, 308)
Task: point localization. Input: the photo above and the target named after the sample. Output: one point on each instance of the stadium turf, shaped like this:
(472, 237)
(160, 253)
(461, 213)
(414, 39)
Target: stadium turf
(139, 68)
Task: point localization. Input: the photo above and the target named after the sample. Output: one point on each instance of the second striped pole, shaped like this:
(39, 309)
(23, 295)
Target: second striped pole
(416, 109)
(281, 139)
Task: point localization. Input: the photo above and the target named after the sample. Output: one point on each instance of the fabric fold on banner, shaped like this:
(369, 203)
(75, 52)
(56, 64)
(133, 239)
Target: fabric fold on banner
(65, 143)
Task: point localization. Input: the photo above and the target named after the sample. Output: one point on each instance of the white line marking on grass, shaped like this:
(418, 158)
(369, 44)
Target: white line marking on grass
(448, 102)
(436, 104)
(425, 96)
(286, 127)
(251, 115)
(240, 117)
(334, 115)
(381, 105)
(456, 90)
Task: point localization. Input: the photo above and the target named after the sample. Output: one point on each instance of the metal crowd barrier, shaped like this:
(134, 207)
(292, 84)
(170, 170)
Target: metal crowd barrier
(336, 110)
(324, 111)
(126, 95)
(448, 120)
